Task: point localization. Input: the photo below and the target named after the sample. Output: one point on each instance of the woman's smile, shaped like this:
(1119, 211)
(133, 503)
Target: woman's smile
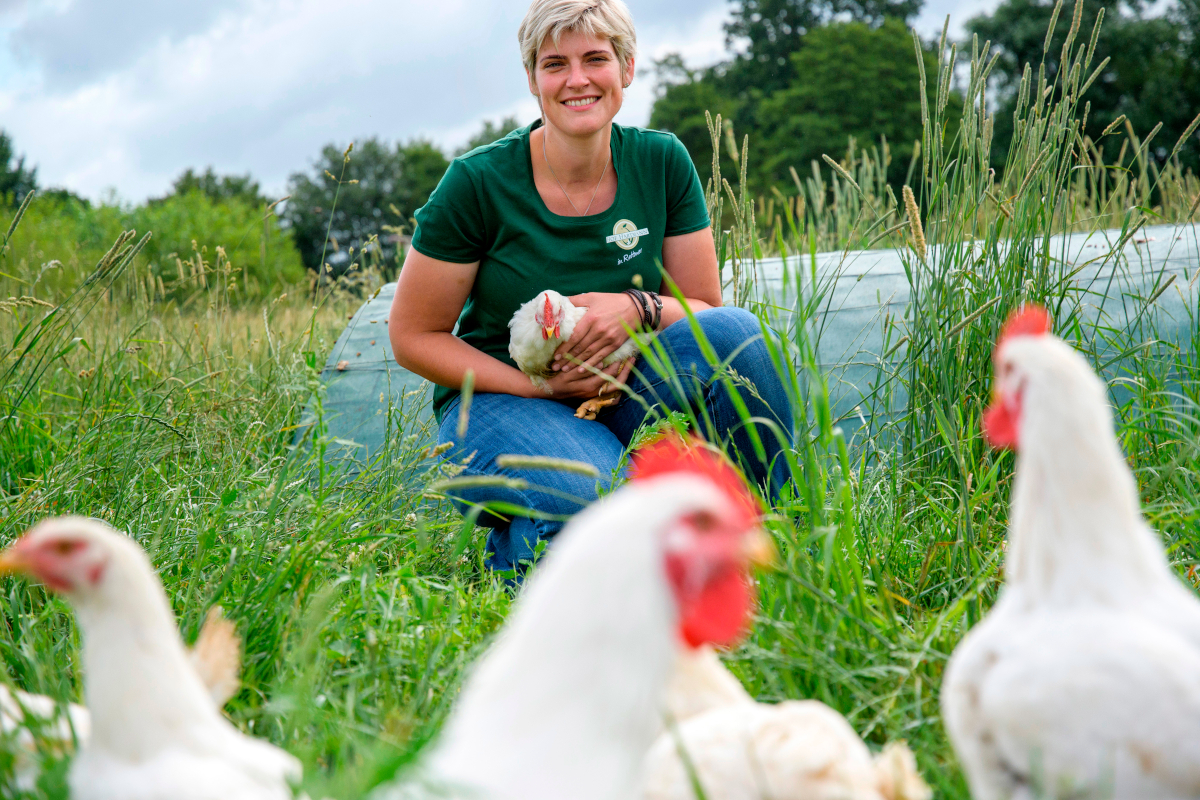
(580, 80)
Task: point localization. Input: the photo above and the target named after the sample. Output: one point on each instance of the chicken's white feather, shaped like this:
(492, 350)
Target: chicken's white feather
(1085, 675)
(156, 733)
(796, 750)
(565, 703)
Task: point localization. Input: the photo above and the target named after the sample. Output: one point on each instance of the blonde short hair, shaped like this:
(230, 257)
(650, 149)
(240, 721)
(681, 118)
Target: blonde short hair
(608, 19)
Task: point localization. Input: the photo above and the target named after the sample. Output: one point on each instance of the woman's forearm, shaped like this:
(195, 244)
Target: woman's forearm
(672, 310)
(444, 359)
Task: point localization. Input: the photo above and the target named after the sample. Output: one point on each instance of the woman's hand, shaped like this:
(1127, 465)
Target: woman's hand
(603, 329)
(571, 383)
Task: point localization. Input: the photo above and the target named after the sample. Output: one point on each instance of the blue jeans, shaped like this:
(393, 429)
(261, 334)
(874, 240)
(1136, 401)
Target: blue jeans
(502, 424)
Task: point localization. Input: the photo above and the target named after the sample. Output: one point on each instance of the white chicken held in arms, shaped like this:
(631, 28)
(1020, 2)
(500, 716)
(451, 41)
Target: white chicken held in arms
(156, 732)
(565, 703)
(539, 327)
(1084, 678)
(742, 750)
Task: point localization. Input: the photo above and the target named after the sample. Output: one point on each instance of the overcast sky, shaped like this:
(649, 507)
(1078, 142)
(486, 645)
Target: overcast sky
(122, 97)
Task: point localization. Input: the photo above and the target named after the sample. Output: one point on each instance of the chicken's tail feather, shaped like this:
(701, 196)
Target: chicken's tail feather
(898, 775)
(217, 656)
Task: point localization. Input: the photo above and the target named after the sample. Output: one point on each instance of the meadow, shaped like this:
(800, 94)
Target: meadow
(167, 404)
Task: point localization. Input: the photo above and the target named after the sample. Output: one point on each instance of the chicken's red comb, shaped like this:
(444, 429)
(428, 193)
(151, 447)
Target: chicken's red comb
(547, 308)
(1028, 320)
(672, 454)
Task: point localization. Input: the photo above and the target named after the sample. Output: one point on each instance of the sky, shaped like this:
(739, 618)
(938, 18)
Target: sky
(114, 100)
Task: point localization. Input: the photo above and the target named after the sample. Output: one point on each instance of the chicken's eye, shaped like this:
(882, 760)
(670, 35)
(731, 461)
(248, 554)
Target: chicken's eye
(703, 522)
(65, 548)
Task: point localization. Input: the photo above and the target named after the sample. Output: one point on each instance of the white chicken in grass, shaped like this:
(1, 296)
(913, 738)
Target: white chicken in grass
(565, 703)
(34, 722)
(156, 733)
(539, 327)
(1084, 678)
(737, 749)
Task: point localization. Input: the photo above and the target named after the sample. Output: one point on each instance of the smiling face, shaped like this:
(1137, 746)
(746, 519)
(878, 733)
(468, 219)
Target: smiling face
(580, 82)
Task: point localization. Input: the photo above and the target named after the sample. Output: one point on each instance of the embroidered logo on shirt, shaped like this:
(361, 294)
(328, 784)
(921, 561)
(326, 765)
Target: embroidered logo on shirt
(626, 235)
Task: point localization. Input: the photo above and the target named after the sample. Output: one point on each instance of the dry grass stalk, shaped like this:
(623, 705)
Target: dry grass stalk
(914, 221)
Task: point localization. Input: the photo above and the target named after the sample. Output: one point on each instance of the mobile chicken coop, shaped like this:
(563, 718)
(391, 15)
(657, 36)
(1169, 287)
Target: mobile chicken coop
(852, 306)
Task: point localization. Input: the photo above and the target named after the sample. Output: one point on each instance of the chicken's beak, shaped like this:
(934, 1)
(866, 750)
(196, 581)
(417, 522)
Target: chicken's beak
(547, 331)
(14, 560)
(759, 549)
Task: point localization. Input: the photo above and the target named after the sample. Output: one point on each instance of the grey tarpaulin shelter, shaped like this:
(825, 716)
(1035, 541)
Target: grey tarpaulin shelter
(362, 378)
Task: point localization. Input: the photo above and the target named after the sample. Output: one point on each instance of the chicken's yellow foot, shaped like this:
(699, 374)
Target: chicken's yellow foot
(590, 408)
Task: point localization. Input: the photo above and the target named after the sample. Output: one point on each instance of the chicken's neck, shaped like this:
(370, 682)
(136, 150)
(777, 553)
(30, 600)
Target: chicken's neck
(566, 702)
(142, 692)
(1076, 534)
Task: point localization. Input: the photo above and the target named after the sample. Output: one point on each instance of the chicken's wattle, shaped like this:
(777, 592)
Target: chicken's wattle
(1000, 424)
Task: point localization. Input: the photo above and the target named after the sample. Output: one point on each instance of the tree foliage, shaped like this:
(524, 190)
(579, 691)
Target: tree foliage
(16, 180)
(193, 221)
(376, 186)
(846, 79)
(220, 188)
(491, 132)
(850, 80)
(1152, 76)
(772, 30)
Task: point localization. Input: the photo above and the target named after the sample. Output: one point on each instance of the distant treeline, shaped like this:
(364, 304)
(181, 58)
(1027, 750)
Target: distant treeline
(809, 74)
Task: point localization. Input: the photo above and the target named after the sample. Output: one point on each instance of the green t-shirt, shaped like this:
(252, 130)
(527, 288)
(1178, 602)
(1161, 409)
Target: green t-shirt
(487, 209)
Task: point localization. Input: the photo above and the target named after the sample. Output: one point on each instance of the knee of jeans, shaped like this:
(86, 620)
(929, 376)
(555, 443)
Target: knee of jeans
(729, 328)
(562, 486)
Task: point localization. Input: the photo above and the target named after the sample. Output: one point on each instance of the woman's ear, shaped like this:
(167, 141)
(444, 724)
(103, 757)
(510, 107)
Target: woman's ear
(533, 90)
(627, 73)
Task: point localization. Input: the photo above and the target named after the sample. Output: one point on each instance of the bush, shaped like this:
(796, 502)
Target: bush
(193, 221)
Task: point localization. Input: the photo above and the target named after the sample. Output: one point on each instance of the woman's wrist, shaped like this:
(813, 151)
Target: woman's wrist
(648, 307)
(633, 316)
(642, 308)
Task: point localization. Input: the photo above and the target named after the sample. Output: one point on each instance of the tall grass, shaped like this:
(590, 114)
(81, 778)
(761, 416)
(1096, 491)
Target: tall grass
(894, 548)
(362, 598)
(358, 601)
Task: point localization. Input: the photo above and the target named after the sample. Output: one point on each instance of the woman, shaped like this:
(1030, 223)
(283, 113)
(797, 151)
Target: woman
(588, 208)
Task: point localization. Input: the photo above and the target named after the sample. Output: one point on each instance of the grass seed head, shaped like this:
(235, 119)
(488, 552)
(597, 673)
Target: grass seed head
(914, 221)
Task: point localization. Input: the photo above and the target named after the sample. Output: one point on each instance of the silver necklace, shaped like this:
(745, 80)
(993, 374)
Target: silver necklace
(595, 191)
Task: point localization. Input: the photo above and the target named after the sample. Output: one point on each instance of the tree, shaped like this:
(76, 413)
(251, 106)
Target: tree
(491, 132)
(220, 188)
(15, 180)
(1150, 78)
(773, 33)
(774, 29)
(380, 185)
(849, 80)
(684, 95)
(261, 253)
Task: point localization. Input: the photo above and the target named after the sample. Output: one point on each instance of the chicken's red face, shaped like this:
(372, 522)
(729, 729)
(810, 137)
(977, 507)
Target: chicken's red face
(64, 560)
(550, 320)
(1002, 420)
(708, 555)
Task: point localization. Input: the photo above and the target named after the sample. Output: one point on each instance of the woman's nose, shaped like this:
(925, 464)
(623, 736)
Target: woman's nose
(577, 76)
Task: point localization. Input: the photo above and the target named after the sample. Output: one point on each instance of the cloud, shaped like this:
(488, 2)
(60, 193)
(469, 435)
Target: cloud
(129, 95)
(130, 99)
(88, 39)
